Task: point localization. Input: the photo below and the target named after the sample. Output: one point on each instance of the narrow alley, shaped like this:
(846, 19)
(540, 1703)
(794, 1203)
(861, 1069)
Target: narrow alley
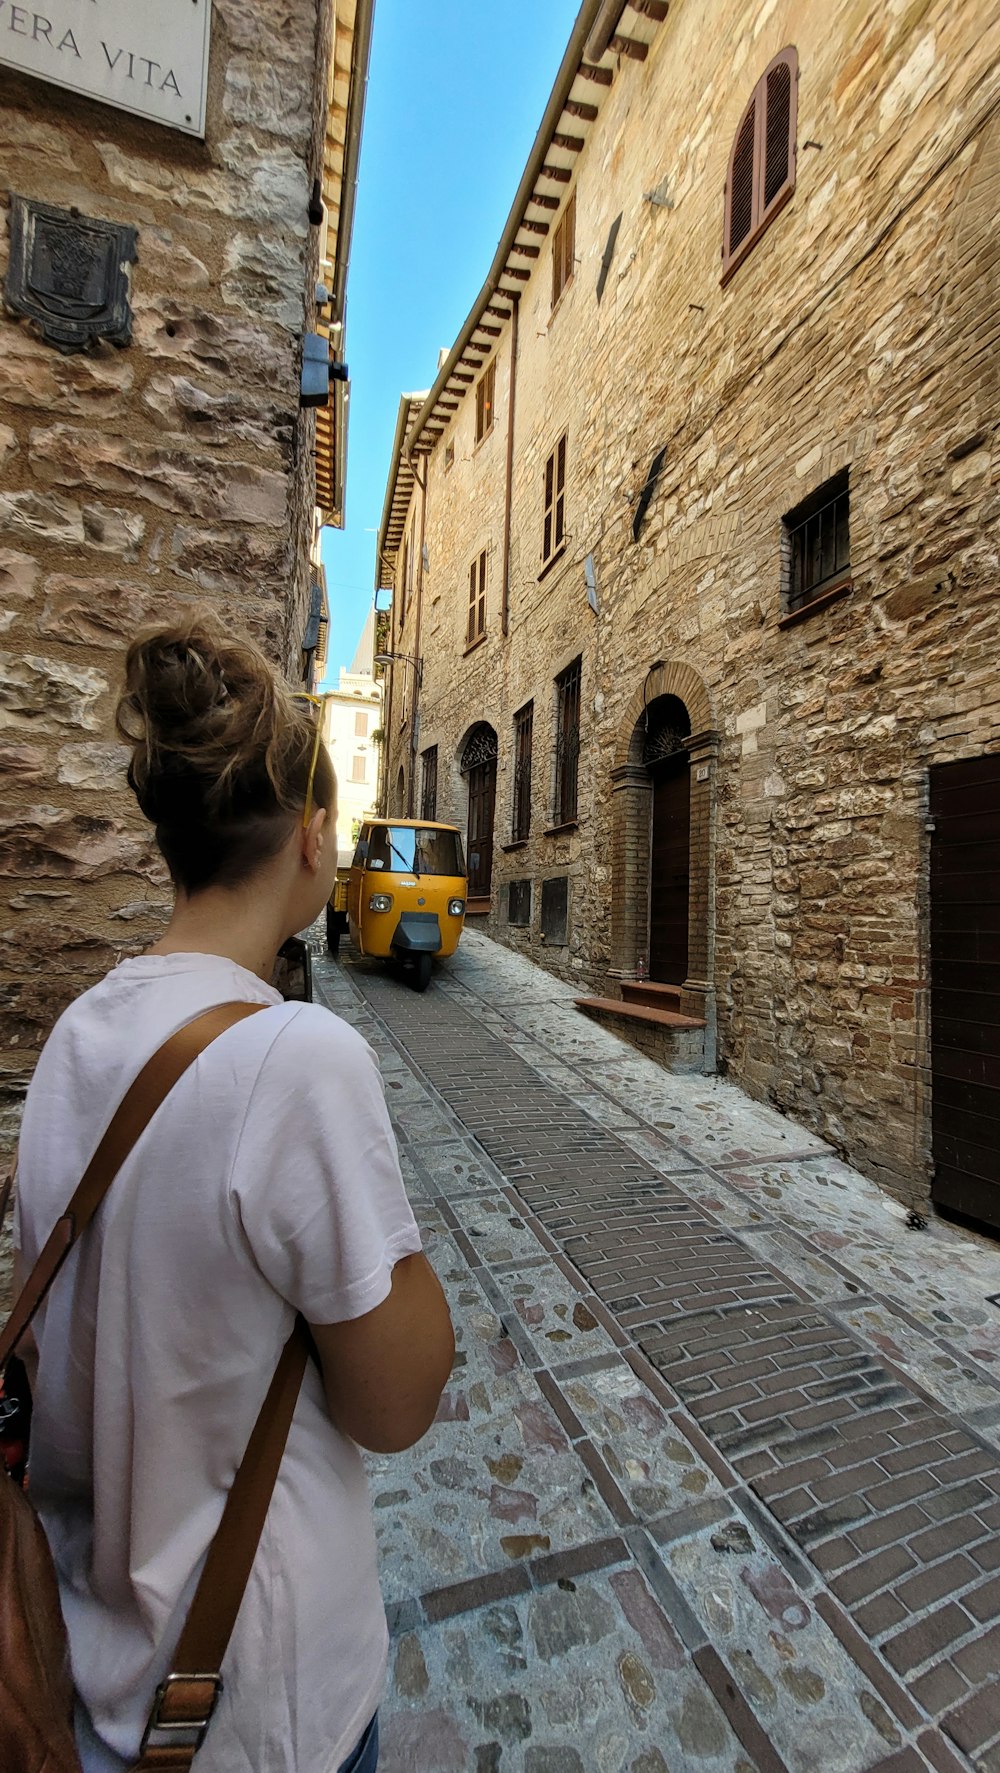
(716, 1483)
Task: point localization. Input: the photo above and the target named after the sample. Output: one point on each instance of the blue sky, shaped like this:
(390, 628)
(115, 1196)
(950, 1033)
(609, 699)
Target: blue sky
(456, 93)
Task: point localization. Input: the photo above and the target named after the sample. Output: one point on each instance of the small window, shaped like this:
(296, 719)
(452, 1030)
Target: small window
(523, 723)
(761, 175)
(476, 626)
(485, 400)
(429, 784)
(816, 544)
(555, 909)
(567, 743)
(519, 904)
(554, 522)
(361, 726)
(358, 768)
(564, 250)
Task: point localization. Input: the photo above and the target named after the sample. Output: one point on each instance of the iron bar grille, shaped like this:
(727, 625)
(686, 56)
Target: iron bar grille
(567, 742)
(429, 785)
(819, 543)
(523, 724)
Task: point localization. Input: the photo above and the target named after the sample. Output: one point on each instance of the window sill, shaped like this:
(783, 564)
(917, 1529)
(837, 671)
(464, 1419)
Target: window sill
(557, 830)
(561, 297)
(480, 640)
(746, 246)
(478, 907)
(815, 604)
(484, 439)
(517, 843)
(550, 563)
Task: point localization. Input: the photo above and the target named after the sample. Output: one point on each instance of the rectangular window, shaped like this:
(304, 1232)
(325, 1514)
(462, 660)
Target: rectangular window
(817, 543)
(554, 523)
(564, 250)
(519, 903)
(523, 722)
(361, 726)
(429, 784)
(567, 742)
(476, 625)
(485, 401)
(358, 769)
(555, 909)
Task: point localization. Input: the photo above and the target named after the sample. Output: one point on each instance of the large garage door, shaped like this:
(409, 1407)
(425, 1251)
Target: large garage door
(965, 986)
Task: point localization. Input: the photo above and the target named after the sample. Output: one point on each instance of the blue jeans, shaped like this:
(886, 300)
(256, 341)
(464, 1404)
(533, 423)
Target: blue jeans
(365, 1757)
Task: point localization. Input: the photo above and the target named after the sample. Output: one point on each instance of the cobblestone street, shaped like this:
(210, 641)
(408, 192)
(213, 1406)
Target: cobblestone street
(717, 1480)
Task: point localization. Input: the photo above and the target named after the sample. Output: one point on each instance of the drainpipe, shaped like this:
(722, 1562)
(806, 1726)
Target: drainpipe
(505, 615)
(605, 26)
(415, 704)
(387, 726)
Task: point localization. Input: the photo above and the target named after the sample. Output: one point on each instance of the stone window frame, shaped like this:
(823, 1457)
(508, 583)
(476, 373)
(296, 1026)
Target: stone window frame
(800, 599)
(566, 785)
(429, 783)
(554, 506)
(524, 721)
(564, 250)
(475, 627)
(760, 176)
(486, 390)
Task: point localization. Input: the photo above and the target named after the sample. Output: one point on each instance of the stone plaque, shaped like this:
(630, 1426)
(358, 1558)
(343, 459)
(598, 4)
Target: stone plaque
(67, 273)
(145, 56)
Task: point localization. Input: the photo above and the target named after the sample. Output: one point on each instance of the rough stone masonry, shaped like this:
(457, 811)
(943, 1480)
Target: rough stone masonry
(135, 480)
(858, 335)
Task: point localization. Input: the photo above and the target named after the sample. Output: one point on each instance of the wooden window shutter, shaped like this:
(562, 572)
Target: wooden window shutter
(741, 216)
(470, 630)
(778, 146)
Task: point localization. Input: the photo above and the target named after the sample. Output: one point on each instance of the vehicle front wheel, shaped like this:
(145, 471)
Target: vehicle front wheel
(333, 930)
(421, 972)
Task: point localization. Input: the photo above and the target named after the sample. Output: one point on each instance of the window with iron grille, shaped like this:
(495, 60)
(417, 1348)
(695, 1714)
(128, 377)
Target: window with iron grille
(360, 726)
(816, 543)
(358, 768)
(523, 723)
(761, 175)
(564, 250)
(554, 522)
(475, 627)
(567, 743)
(485, 401)
(429, 784)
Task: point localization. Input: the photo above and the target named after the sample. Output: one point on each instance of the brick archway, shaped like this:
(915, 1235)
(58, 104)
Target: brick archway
(631, 816)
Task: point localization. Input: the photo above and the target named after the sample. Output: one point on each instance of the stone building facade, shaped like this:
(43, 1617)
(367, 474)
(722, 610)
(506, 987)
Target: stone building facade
(352, 724)
(175, 468)
(695, 541)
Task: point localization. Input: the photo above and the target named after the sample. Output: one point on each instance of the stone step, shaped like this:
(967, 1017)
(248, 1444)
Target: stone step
(636, 1012)
(651, 993)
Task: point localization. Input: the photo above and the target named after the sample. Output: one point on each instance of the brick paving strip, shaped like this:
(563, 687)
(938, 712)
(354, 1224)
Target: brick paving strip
(870, 1498)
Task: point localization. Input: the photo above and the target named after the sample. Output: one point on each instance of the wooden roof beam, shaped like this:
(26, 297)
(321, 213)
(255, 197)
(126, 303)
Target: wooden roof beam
(527, 252)
(561, 174)
(535, 227)
(655, 9)
(462, 375)
(572, 143)
(518, 272)
(493, 331)
(577, 108)
(630, 47)
(600, 76)
(545, 202)
(498, 313)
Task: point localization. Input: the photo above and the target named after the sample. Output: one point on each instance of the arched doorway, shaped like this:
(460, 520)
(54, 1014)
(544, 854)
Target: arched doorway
(479, 767)
(667, 727)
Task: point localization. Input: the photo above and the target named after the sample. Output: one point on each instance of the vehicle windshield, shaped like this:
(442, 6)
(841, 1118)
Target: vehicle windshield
(420, 850)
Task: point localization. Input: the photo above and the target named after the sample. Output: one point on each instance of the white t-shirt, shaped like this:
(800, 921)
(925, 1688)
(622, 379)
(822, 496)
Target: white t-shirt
(268, 1182)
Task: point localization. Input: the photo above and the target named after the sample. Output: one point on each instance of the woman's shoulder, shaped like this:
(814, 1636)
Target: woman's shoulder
(310, 1034)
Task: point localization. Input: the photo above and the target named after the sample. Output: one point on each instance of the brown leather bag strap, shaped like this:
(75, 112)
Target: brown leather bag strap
(141, 1100)
(183, 1707)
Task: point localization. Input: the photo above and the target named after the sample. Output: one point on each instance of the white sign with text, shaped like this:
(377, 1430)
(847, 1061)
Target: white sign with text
(146, 56)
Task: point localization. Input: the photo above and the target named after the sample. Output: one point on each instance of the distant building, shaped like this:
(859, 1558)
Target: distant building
(696, 538)
(352, 721)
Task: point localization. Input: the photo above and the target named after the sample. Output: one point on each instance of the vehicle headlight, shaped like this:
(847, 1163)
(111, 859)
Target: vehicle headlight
(380, 902)
(456, 907)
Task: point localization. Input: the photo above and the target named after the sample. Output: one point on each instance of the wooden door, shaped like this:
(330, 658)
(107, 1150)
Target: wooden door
(482, 800)
(965, 987)
(669, 870)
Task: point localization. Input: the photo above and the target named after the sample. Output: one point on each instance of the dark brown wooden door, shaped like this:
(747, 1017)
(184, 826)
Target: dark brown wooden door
(482, 801)
(669, 867)
(965, 987)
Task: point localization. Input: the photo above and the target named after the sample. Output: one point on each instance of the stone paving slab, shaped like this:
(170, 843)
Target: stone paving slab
(757, 1312)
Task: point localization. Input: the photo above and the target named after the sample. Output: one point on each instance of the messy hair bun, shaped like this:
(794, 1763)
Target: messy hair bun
(220, 751)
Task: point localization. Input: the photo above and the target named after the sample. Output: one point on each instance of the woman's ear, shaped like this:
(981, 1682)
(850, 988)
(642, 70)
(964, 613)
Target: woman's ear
(313, 839)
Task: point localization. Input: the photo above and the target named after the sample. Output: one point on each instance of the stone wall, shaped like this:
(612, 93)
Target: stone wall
(856, 334)
(137, 481)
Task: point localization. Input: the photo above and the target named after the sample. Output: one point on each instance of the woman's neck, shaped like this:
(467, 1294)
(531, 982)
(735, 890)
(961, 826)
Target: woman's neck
(226, 923)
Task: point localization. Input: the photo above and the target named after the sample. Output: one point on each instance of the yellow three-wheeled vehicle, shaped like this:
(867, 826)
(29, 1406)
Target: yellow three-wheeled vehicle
(404, 896)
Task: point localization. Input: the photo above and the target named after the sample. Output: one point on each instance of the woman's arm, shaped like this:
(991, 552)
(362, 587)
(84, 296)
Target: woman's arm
(384, 1373)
